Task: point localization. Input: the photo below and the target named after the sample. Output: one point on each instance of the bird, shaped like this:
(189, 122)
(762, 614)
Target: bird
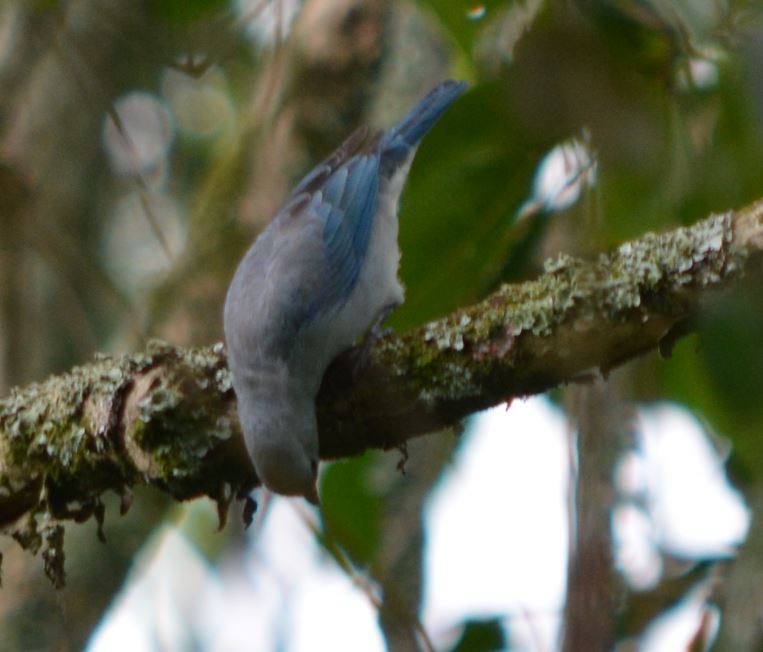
(322, 275)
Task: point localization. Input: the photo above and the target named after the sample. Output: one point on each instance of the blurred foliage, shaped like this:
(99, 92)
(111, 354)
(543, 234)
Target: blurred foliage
(462, 20)
(469, 178)
(720, 373)
(351, 511)
(669, 93)
(186, 10)
(481, 636)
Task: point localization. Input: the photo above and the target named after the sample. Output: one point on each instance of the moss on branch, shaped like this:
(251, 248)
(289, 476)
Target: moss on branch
(163, 417)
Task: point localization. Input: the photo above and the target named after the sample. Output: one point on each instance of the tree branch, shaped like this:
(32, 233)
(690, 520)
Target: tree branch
(166, 417)
(526, 338)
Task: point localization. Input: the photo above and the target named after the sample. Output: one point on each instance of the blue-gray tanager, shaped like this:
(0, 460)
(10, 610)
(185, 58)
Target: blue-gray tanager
(321, 275)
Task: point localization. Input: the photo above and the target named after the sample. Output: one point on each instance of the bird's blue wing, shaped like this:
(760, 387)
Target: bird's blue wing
(346, 187)
(346, 204)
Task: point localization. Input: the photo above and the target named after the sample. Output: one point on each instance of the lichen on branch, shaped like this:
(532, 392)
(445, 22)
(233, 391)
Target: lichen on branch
(162, 417)
(579, 317)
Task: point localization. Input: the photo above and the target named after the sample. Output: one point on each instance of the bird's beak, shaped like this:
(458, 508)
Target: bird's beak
(312, 496)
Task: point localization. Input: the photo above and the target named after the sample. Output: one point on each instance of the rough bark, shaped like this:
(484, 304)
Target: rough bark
(166, 417)
(741, 594)
(600, 423)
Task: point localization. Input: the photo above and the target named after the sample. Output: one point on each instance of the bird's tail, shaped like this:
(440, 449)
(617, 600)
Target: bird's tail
(398, 142)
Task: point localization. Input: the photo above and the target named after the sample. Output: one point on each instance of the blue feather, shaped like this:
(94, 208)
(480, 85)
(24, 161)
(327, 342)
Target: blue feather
(346, 204)
(344, 193)
(398, 142)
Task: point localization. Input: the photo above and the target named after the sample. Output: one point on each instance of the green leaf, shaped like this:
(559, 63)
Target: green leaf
(719, 373)
(481, 636)
(351, 511)
(469, 177)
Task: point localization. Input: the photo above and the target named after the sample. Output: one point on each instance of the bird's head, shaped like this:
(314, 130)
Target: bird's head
(285, 466)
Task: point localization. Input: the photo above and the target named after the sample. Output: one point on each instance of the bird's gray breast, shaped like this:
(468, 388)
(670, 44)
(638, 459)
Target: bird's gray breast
(268, 300)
